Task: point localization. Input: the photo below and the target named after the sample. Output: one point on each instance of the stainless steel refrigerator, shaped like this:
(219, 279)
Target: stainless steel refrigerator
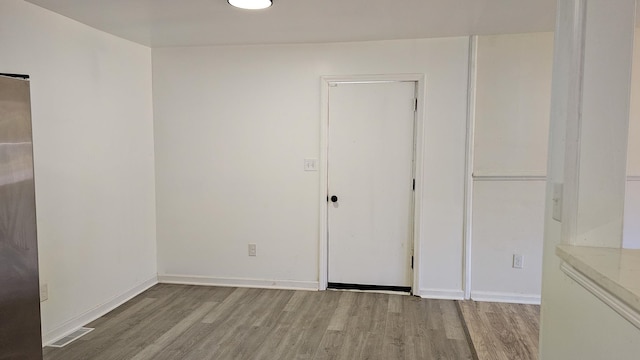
(20, 335)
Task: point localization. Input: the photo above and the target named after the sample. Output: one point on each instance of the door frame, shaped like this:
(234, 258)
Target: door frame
(418, 131)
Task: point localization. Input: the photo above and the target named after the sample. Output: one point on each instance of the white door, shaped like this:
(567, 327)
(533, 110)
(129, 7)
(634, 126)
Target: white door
(370, 183)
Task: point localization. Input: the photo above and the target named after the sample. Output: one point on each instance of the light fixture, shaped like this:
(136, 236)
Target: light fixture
(251, 4)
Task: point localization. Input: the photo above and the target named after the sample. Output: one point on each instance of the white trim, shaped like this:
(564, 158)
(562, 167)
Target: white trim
(418, 193)
(323, 244)
(81, 320)
(512, 298)
(605, 296)
(509, 178)
(527, 177)
(238, 282)
(468, 176)
(372, 78)
(573, 125)
(440, 294)
(419, 129)
(83, 331)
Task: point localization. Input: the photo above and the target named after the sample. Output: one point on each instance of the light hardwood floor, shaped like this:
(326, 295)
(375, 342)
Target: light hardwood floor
(502, 331)
(192, 322)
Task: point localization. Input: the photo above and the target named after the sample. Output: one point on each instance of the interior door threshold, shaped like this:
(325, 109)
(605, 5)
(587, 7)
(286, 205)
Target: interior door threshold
(374, 288)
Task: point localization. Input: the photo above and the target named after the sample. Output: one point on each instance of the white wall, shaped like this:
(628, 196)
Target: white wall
(232, 127)
(508, 219)
(602, 146)
(93, 148)
(511, 132)
(574, 323)
(513, 88)
(633, 161)
(510, 146)
(631, 236)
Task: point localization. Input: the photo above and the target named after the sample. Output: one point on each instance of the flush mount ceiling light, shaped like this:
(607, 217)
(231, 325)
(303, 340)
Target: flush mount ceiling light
(250, 4)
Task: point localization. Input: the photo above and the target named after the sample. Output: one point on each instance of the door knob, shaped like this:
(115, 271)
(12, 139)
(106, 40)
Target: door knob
(334, 198)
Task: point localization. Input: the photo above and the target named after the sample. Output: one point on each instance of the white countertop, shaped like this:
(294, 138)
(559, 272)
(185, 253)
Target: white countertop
(615, 270)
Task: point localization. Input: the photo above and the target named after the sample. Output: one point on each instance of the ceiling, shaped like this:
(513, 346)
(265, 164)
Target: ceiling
(163, 23)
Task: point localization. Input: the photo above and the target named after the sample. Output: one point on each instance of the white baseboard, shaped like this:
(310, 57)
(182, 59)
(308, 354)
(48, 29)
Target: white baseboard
(73, 324)
(490, 296)
(239, 282)
(441, 294)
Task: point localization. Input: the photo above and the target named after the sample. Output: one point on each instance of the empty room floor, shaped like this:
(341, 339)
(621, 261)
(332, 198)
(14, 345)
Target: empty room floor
(502, 331)
(201, 322)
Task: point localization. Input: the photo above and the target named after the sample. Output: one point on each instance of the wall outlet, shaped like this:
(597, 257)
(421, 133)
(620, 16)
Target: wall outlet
(518, 261)
(44, 292)
(252, 249)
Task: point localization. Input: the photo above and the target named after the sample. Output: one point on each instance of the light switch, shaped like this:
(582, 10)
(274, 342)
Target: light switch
(310, 164)
(557, 202)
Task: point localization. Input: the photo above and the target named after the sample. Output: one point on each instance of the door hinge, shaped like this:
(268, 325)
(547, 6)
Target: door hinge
(415, 104)
(414, 184)
(412, 261)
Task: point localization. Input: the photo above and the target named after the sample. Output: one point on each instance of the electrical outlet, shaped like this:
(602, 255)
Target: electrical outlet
(252, 249)
(44, 292)
(518, 261)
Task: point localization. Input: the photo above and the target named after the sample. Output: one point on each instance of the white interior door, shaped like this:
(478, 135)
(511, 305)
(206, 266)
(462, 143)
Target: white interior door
(370, 172)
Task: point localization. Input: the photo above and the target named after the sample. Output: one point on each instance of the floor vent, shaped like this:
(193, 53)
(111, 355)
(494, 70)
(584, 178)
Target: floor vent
(71, 337)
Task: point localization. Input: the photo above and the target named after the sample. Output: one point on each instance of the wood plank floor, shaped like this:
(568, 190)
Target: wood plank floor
(197, 322)
(502, 331)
